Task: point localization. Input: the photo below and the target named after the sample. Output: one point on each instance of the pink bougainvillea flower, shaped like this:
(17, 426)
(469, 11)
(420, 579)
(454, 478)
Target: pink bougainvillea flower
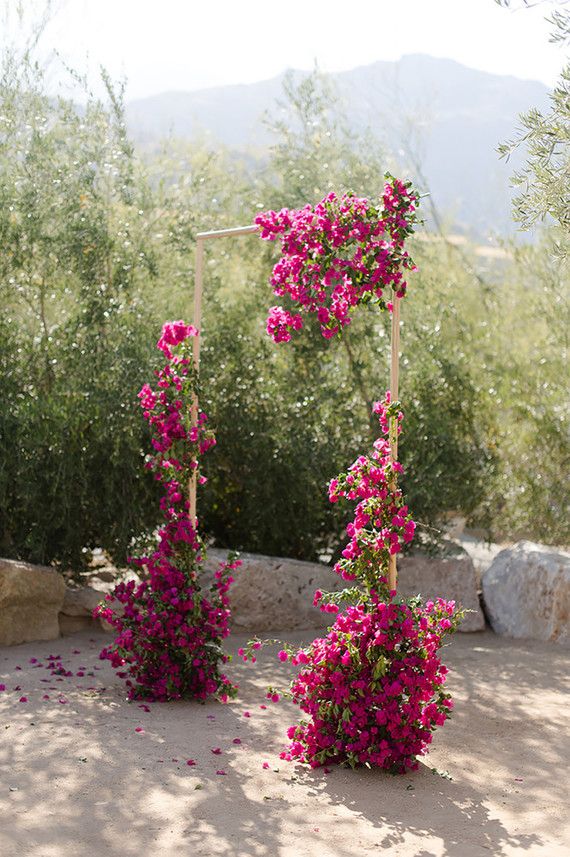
(139, 729)
(216, 751)
(343, 252)
(2, 687)
(23, 699)
(221, 773)
(145, 708)
(45, 696)
(265, 766)
(247, 714)
(191, 762)
(236, 741)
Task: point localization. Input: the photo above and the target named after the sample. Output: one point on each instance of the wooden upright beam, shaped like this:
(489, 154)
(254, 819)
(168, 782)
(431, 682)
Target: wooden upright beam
(201, 238)
(394, 377)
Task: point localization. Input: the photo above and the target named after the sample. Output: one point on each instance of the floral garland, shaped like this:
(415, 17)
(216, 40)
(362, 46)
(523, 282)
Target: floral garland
(344, 252)
(169, 633)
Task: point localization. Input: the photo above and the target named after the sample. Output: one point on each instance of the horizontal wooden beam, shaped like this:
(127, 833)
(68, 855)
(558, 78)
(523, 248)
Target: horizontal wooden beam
(223, 233)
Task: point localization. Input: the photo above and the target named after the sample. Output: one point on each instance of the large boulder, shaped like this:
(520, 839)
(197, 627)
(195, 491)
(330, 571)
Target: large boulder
(81, 600)
(453, 578)
(77, 610)
(274, 594)
(31, 597)
(526, 592)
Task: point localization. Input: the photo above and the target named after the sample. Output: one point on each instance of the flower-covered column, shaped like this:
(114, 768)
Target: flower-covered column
(345, 252)
(169, 632)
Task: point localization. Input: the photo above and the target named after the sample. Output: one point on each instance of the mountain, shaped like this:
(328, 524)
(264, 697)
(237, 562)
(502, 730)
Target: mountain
(450, 116)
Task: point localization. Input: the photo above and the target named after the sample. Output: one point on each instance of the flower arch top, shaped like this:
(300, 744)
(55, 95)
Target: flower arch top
(344, 252)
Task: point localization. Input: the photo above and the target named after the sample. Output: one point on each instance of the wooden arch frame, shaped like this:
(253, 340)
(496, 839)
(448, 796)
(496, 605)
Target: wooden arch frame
(201, 239)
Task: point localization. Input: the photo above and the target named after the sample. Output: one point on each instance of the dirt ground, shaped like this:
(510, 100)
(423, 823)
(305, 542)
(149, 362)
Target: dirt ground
(87, 774)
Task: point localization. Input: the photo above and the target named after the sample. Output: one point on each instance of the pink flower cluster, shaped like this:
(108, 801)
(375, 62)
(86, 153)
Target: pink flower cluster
(344, 252)
(382, 522)
(373, 687)
(169, 633)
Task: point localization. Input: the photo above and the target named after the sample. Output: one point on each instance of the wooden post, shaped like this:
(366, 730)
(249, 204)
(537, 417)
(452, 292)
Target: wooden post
(394, 373)
(199, 276)
(201, 237)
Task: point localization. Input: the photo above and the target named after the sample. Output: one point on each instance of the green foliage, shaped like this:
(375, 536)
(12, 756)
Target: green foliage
(544, 182)
(98, 250)
(528, 495)
(75, 340)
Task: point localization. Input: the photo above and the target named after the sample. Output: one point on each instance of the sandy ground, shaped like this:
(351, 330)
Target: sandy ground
(78, 779)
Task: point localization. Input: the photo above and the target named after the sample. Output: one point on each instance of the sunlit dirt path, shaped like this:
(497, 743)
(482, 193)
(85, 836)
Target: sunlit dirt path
(84, 773)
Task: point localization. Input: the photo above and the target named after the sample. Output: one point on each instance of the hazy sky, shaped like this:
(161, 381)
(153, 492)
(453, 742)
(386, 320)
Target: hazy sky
(183, 44)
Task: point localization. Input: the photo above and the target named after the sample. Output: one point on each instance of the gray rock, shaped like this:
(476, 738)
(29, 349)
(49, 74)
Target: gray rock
(77, 610)
(453, 578)
(76, 624)
(527, 593)
(31, 597)
(81, 601)
(274, 594)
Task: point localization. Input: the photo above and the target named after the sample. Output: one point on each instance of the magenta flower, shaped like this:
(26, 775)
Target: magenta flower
(344, 252)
